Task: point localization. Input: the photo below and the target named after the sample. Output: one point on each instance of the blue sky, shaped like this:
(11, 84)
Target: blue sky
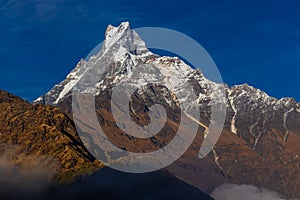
(254, 42)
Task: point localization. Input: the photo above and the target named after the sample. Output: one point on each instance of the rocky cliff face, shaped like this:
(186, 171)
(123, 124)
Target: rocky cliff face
(260, 141)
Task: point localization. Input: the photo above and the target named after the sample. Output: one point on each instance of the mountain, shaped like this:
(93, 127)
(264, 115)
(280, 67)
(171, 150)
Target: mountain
(260, 141)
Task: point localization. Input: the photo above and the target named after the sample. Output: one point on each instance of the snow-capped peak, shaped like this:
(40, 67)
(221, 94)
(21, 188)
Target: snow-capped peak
(124, 36)
(112, 30)
(122, 44)
(124, 56)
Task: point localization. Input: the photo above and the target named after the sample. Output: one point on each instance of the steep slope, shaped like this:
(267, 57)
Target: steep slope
(40, 136)
(259, 143)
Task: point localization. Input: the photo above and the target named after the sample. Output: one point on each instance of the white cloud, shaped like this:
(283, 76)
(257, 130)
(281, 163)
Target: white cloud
(29, 177)
(245, 192)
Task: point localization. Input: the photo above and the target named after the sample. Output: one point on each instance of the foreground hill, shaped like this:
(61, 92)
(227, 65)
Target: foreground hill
(39, 143)
(41, 156)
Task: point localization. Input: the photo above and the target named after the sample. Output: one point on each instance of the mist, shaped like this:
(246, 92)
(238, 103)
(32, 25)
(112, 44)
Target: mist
(245, 192)
(22, 176)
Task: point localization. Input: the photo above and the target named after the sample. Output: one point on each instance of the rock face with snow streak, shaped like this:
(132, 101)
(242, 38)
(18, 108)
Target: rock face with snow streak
(260, 132)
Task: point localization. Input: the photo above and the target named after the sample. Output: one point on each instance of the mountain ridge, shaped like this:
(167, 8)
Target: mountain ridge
(257, 125)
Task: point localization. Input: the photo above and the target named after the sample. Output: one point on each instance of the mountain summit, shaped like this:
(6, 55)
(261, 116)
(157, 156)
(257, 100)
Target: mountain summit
(121, 44)
(124, 36)
(260, 141)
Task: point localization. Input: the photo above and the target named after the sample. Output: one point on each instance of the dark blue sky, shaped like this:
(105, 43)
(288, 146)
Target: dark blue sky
(254, 42)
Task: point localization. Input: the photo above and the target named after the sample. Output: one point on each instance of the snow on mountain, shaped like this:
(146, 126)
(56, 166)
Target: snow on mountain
(124, 52)
(265, 125)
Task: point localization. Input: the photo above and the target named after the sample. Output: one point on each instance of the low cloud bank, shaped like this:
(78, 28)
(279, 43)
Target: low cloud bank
(245, 192)
(22, 177)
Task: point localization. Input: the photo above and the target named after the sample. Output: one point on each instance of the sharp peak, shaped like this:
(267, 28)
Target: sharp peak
(112, 30)
(123, 36)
